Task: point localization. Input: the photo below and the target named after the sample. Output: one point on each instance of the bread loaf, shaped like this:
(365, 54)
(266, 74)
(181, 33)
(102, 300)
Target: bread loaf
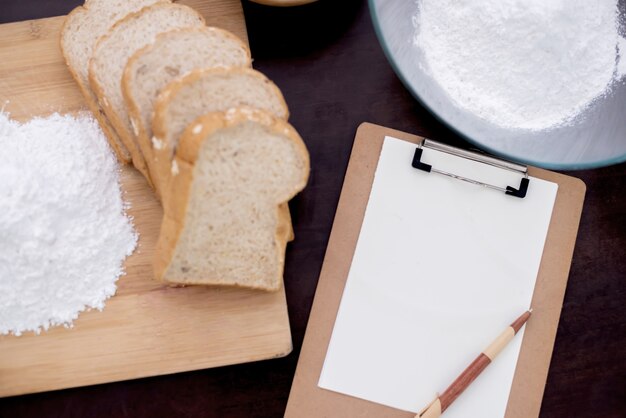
(181, 101)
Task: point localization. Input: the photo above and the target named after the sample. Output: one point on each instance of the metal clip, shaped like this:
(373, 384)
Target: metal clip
(474, 156)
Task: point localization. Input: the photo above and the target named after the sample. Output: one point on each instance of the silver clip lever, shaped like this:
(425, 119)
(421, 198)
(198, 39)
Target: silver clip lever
(474, 156)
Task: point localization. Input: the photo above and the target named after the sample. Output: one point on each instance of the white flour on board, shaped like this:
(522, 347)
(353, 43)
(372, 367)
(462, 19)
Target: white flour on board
(529, 64)
(64, 233)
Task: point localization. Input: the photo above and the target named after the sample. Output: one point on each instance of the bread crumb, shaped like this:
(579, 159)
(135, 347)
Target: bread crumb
(133, 123)
(197, 129)
(230, 114)
(157, 143)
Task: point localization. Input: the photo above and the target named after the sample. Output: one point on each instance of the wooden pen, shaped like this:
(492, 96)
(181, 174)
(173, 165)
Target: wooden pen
(443, 401)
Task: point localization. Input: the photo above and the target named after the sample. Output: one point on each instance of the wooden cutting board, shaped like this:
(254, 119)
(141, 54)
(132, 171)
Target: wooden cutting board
(146, 329)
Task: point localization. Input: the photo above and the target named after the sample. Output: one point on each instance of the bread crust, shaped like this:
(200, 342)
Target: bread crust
(143, 139)
(136, 157)
(175, 206)
(162, 157)
(120, 150)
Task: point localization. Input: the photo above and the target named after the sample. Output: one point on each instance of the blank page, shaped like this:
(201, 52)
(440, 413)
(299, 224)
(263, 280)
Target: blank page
(440, 269)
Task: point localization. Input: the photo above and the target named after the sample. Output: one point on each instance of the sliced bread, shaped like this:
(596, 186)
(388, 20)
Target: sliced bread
(201, 92)
(172, 55)
(222, 227)
(112, 52)
(80, 32)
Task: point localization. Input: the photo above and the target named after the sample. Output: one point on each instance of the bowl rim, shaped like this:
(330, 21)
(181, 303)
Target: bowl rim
(543, 164)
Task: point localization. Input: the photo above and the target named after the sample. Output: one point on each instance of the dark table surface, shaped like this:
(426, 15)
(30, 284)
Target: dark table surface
(332, 71)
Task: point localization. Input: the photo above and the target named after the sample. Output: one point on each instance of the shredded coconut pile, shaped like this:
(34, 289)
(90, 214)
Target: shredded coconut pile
(529, 64)
(63, 231)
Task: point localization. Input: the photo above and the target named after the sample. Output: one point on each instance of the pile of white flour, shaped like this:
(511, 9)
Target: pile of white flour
(63, 231)
(529, 64)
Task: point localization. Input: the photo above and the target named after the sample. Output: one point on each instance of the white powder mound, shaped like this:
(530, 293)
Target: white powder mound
(529, 64)
(63, 231)
(621, 66)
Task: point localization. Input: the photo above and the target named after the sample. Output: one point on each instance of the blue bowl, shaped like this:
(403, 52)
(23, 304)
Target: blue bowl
(595, 139)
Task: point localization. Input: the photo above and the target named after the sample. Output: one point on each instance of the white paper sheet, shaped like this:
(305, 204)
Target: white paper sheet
(440, 269)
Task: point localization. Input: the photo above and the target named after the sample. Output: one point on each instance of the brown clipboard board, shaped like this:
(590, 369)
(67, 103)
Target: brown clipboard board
(308, 400)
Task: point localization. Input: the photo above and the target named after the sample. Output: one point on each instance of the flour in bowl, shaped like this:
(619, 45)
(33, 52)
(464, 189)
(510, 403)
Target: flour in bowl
(64, 233)
(529, 64)
(621, 65)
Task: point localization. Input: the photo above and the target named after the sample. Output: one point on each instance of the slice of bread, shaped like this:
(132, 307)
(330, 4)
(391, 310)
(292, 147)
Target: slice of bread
(222, 227)
(80, 32)
(112, 52)
(172, 55)
(201, 92)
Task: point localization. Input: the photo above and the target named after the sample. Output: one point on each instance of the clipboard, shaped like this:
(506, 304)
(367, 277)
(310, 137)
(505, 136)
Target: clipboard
(308, 400)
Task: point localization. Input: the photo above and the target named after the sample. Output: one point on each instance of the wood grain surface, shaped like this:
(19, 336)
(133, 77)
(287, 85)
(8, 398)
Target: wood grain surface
(326, 59)
(146, 329)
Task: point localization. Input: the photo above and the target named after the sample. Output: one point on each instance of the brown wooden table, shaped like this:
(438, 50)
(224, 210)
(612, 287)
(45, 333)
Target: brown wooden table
(326, 59)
